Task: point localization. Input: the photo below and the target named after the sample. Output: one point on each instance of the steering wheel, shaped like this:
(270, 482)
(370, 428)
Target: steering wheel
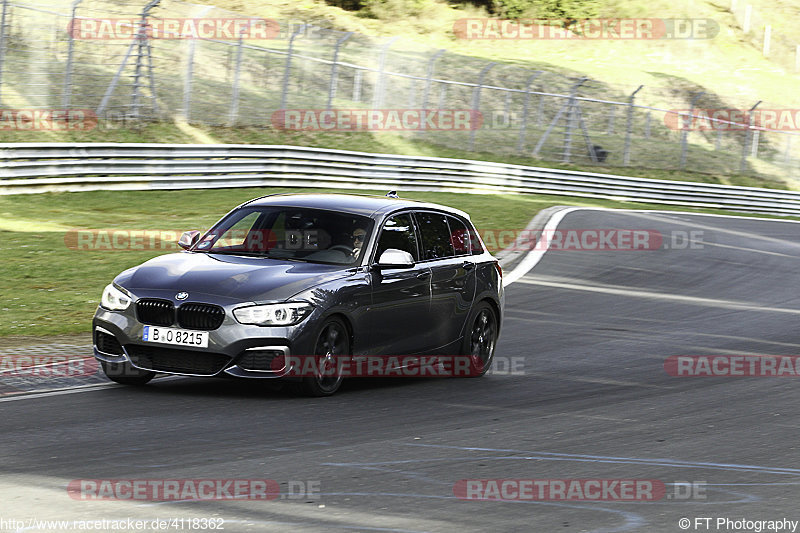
(347, 250)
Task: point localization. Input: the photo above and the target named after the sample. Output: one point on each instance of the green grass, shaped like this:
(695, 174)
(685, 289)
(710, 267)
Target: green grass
(46, 288)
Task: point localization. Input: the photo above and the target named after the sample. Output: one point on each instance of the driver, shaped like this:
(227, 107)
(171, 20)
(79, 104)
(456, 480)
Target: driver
(359, 234)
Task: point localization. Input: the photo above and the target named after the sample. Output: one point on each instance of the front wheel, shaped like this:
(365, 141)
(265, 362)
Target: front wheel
(125, 374)
(480, 339)
(333, 344)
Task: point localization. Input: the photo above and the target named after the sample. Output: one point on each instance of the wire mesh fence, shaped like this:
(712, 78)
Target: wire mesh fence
(164, 60)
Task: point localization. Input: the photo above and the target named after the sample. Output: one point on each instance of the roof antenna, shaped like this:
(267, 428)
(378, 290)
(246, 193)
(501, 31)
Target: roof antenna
(392, 194)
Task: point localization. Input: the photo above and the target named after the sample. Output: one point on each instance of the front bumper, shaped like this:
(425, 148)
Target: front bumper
(234, 349)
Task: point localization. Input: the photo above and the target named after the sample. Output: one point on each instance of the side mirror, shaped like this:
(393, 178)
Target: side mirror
(189, 239)
(393, 258)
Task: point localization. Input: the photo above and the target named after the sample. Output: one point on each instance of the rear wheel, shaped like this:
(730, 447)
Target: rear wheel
(481, 339)
(333, 343)
(126, 374)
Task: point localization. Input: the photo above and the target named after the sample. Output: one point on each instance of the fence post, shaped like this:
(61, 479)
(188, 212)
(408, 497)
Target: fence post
(287, 69)
(787, 150)
(66, 99)
(335, 69)
(797, 58)
(612, 116)
(429, 77)
(476, 102)
(377, 97)
(3, 20)
(571, 115)
(743, 162)
(524, 123)
(143, 47)
(357, 85)
(237, 71)
(748, 13)
(626, 153)
(187, 82)
(686, 127)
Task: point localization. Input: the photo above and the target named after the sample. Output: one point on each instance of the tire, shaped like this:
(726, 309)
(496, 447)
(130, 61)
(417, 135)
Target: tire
(480, 339)
(333, 342)
(125, 374)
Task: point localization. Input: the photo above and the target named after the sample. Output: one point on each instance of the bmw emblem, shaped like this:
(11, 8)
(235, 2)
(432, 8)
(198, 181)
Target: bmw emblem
(181, 295)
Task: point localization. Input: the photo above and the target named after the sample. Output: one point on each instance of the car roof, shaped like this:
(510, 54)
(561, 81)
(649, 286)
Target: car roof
(366, 205)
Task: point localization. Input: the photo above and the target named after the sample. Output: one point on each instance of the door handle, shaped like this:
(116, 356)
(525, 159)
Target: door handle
(467, 265)
(424, 275)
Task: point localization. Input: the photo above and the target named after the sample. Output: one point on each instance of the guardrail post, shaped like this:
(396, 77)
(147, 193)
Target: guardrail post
(429, 77)
(335, 69)
(377, 97)
(476, 102)
(3, 24)
(687, 126)
(524, 122)
(287, 69)
(626, 153)
(67, 94)
(743, 161)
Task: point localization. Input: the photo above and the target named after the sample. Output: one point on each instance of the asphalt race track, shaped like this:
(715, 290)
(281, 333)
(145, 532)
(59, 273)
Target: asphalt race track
(589, 332)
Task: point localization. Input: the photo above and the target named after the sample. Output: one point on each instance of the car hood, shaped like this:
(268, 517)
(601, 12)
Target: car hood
(225, 278)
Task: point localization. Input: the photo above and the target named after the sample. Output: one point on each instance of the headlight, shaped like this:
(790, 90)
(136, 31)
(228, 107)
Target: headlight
(285, 314)
(114, 299)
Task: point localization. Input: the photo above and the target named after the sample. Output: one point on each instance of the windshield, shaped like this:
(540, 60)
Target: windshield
(290, 233)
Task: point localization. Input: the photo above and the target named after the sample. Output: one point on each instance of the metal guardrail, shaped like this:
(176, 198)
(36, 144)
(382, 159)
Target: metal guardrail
(36, 167)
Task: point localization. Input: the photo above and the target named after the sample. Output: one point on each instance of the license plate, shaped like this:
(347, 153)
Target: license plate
(179, 337)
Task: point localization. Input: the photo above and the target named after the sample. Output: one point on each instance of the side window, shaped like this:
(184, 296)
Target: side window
(436, 240)
(398, 233)
(460, 236)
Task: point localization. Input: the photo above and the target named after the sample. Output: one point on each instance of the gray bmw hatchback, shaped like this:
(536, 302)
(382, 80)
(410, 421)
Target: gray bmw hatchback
(300, 287)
